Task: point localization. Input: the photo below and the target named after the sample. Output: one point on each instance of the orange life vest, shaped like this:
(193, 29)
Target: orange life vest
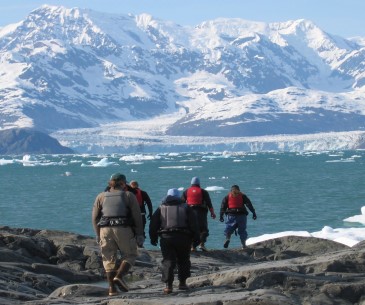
(139, 197)
(235, 202)
(194, 195)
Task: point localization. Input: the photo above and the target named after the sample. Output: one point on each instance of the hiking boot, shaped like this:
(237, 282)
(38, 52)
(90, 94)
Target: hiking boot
(226, 243)
(167, 289)
(183, 286)
(118, 279)
(243, 246)
(203, 248)
(112, 288)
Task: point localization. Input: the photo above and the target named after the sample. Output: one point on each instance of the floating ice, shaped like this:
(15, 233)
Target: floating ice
(184, 167)
(102, 163)
(357, 218)
(5, 162)
(135, 158)
(214, 188)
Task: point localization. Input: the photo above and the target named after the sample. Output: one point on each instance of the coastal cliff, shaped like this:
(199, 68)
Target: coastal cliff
(40, 267)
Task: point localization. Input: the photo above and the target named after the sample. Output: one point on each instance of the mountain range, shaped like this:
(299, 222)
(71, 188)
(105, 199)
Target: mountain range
(73, 71)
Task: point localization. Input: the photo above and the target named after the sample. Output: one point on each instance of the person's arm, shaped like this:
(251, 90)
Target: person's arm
(208, 203)
(148, 202)
(223, 209)
(96, 215)
(249, 205)
(155, 225)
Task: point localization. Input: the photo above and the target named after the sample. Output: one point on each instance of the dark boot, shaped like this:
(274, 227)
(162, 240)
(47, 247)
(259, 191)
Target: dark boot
(182, 285)
(118, 279)
(168, 288)
(112, 289)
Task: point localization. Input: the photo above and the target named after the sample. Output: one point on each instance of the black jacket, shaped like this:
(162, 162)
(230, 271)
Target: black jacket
(155, 223)
(246, 202)
(207, 202)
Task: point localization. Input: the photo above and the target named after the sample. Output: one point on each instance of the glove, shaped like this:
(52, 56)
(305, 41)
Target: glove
(97, 239)
(221, 219)
(212, 214)
(140, 240)
(154, 242)
(254, 217)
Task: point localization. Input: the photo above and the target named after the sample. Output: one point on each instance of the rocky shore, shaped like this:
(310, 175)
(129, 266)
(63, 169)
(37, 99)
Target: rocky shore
(40, 267)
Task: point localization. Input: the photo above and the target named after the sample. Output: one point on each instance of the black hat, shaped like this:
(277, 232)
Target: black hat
(235, 186)
(118, 177)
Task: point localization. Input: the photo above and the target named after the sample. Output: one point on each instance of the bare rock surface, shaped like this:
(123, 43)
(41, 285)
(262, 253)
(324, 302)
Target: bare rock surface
(39, 267)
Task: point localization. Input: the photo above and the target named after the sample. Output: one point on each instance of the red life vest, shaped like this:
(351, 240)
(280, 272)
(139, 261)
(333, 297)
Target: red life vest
(235, 202)
(139, 197)
(194, 195)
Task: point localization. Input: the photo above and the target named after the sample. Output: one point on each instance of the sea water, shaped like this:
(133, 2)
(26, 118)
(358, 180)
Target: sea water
(296, 192)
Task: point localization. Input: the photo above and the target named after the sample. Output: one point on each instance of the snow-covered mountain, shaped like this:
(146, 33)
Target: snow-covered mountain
(65, 69)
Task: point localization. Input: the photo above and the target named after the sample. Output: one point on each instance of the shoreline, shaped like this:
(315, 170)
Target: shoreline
(40, 267)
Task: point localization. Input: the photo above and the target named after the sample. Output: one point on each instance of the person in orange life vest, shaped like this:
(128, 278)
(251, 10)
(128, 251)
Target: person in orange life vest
(143, 199)
(199, 200)
(233, 205)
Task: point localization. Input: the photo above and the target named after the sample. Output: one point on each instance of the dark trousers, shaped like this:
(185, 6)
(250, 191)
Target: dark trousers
(202, 217)
(175, 248)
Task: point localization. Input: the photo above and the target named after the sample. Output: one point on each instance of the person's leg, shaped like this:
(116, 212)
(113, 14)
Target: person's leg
(109, 250)
(242, 232)
(168, 262)
(204, 231)
(195, 212)
(127, 245)
(229, 229)
(144, 220)
(182, 244)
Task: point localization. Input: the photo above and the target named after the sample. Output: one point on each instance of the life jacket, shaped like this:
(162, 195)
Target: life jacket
(194, 196)
(235, 202)
(174, 217)
(114, 205)
(139, 197)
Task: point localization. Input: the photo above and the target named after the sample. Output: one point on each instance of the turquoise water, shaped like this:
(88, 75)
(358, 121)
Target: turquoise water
(290, 191)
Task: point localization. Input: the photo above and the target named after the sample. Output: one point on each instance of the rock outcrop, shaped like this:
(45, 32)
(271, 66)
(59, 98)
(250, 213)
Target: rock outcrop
(40, 267)
(24, 141)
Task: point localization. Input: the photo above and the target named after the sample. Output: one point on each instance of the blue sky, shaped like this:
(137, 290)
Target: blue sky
(341, 17)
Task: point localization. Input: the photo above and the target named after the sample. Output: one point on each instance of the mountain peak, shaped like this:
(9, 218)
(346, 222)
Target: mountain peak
(68, 68)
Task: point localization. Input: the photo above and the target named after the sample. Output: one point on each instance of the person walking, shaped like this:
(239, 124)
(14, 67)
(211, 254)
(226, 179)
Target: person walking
(117, 222)
(143, 200)
(233, 205)
(199, 200)
(177, 228)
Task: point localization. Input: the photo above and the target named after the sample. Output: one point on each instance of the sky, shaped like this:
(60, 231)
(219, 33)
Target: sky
(340, 17)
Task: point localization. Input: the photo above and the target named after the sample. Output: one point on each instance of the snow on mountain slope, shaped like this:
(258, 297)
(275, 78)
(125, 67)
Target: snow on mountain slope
(74, 68)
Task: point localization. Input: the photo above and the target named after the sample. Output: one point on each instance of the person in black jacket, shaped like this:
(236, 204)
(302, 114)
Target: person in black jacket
(199, 200)
(233, 205)
(143, 200)
(177, 228)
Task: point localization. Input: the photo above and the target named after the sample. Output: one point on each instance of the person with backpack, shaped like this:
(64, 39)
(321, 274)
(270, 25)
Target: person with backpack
(117, 222)
(143, 200)
(176, 226)
(234, 206)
